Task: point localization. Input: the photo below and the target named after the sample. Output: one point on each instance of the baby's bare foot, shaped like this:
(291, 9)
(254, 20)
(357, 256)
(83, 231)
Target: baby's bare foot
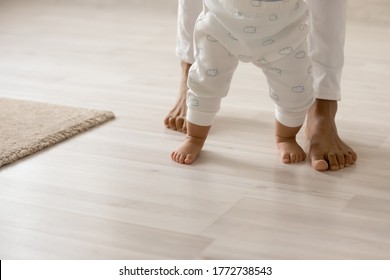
(190, 149)
(290, 151)
(288, 147)
(187, 152)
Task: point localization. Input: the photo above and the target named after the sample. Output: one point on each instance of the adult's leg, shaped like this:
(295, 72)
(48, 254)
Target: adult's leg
(175, 119)
(188, 11)
(326, 46)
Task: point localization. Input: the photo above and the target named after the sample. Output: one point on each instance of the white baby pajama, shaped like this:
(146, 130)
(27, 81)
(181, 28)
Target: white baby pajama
(272, 35)
(326, 41)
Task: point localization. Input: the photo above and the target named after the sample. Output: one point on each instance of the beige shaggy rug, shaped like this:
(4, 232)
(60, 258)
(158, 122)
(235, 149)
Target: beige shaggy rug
(27, 127)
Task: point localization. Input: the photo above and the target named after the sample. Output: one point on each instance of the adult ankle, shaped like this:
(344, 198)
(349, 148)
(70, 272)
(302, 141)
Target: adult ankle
(324, 108)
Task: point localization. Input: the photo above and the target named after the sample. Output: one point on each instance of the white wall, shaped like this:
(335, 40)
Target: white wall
(377, 11)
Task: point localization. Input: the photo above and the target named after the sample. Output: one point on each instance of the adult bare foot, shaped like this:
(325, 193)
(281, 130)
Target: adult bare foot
(327, 150)
(175, 119)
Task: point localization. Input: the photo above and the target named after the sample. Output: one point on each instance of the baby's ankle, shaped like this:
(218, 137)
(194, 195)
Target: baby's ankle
(284, 139)
(199, 141)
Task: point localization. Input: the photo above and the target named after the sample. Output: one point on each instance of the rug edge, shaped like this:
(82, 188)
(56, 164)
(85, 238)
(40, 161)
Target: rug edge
(50, 140)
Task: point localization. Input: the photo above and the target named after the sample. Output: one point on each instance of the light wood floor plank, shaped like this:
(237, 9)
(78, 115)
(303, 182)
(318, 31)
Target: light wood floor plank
(79, 229)
(113, 192)
(287, 231)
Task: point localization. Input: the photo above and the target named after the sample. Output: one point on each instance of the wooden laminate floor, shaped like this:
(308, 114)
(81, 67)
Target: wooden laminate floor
(114, 193)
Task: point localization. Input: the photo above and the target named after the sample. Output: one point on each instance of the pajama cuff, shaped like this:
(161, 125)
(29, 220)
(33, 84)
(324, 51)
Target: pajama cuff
(185, 55)
(200, 118)
(289, 121)
(326, 82)
(292, 119)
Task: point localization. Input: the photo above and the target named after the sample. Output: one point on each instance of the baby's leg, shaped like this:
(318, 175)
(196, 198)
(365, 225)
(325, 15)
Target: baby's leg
(290, 84)
(288, 147)
(208, 80)
(190, 149)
